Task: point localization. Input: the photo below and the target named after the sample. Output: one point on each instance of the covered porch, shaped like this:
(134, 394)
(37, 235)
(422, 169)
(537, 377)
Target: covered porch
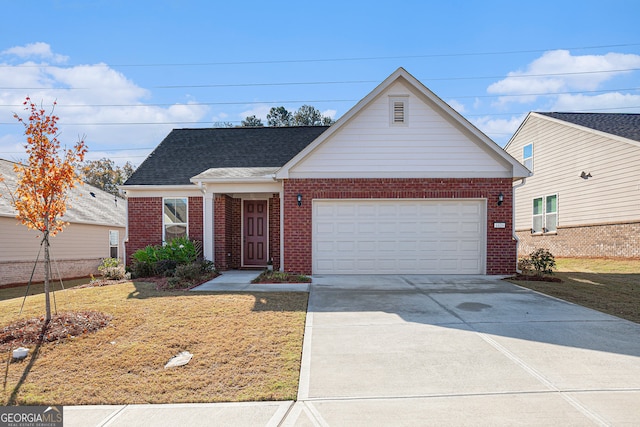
(242, 217)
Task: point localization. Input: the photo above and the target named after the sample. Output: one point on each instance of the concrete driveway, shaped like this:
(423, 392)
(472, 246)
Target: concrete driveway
(425, 350)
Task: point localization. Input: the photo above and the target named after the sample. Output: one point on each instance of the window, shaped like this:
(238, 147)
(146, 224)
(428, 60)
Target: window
(527, 156)
(174, 218)
(545, 214)
(113, 243)
(398, 111)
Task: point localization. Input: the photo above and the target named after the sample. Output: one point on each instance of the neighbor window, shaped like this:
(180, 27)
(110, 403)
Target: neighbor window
(113, 243)
(527, 156)
(399, 110)
(174, 218)
(545, 214)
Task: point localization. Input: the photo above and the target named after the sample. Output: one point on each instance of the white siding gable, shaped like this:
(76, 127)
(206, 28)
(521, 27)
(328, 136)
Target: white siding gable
(429, 144)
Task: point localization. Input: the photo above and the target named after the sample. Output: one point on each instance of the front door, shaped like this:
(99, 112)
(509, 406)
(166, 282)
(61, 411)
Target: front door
(255, 233)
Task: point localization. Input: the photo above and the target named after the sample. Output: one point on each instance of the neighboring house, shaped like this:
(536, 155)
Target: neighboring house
(583, 199)
(95, 231)
(401, 183)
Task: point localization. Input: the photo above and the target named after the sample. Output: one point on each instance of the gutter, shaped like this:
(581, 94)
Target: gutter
(513, 220)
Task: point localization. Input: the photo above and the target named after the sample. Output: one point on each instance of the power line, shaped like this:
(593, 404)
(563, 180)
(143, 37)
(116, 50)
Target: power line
(347, 59)
(230, 85)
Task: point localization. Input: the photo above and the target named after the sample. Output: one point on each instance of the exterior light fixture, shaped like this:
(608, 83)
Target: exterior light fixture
(299, 199)
(500, 198)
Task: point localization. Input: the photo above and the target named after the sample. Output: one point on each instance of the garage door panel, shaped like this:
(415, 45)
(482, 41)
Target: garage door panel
(398, 236)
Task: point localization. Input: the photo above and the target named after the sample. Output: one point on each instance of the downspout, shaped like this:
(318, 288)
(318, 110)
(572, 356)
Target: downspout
(513, 220)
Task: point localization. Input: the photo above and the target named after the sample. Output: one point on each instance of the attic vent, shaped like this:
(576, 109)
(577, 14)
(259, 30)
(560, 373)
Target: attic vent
(398, 110)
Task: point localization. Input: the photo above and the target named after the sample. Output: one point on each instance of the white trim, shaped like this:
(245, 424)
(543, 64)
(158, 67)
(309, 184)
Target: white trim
(413, 175)
(186, 199)
(403, 100)
(208, 238)
(543, 215)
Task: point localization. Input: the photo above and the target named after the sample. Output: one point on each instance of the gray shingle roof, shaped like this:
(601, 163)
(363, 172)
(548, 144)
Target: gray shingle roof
(185, 153)
(100, 208)
(624, 125)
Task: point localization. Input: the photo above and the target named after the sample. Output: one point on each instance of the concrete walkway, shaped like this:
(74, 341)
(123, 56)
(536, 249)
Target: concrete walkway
(240, 281)
(427, 350)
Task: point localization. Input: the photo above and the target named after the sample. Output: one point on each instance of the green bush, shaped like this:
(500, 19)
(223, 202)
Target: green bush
(165, 267)
(542, 261)
(188, 271)
(180, 250)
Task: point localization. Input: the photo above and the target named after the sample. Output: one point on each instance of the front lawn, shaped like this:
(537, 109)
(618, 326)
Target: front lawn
(245, 347)
(607, 285)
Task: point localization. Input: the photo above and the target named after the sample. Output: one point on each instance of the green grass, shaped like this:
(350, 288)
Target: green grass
(608, 285)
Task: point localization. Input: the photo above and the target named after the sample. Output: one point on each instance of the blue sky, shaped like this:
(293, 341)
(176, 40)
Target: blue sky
(124, 73)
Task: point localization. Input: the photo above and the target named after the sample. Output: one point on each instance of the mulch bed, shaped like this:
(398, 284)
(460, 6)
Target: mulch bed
(62, 326)
(534, 278)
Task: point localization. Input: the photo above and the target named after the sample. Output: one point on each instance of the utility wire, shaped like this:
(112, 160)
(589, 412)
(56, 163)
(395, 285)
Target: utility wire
(230, 85)
(348, 59)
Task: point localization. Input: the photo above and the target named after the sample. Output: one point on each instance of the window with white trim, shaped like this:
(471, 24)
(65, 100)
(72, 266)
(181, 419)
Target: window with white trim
(113, 243)
(527, 156)
(175, 218)
(399, 110)
(545, 214)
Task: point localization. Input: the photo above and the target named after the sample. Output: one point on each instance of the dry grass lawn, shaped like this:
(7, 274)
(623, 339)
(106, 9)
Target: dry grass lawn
(244, 346)
(608, 285)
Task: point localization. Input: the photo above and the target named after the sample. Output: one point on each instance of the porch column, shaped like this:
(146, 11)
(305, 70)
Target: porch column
(207, 215)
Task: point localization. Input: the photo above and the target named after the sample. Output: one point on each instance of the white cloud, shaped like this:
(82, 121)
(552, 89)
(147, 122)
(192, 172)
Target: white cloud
(500, 130)
(35, 50)
(458, 106)
(558, 70)
(330, 113)
(92, 100)
(607, 102)
(258, 110)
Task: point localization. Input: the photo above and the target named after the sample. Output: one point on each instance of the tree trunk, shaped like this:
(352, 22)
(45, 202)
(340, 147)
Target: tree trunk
(47, 301)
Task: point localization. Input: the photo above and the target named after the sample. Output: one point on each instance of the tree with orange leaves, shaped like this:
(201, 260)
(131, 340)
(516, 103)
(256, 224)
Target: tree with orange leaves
(43, 183)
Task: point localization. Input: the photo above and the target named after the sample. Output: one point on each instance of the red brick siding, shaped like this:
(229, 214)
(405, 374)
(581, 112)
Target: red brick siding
(606, 240)
(501, 248)
(226, 229)
(274, 230)
(145, 223)
(196, 231)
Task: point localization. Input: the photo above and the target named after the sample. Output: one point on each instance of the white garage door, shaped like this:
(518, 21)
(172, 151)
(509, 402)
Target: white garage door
(398, 236)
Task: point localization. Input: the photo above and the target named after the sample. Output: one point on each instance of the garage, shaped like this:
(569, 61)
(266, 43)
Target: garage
(399, 236)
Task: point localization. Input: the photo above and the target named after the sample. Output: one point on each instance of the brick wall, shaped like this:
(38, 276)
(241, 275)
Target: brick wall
(501, 248)
(17, 272)
(226, 230)
(274, 230)
(608, 240)
(145, 222)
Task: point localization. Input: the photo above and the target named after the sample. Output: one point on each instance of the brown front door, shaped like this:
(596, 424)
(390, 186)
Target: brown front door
(255, 233)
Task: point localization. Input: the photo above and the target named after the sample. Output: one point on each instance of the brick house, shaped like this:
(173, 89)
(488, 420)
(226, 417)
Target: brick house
(583, 199)
(400, 184)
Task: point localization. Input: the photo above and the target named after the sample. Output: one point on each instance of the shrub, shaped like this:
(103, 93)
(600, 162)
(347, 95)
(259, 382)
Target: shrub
(543, 261)
(112, 269)
(180, 250)
(188, 271)
(164, 267)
